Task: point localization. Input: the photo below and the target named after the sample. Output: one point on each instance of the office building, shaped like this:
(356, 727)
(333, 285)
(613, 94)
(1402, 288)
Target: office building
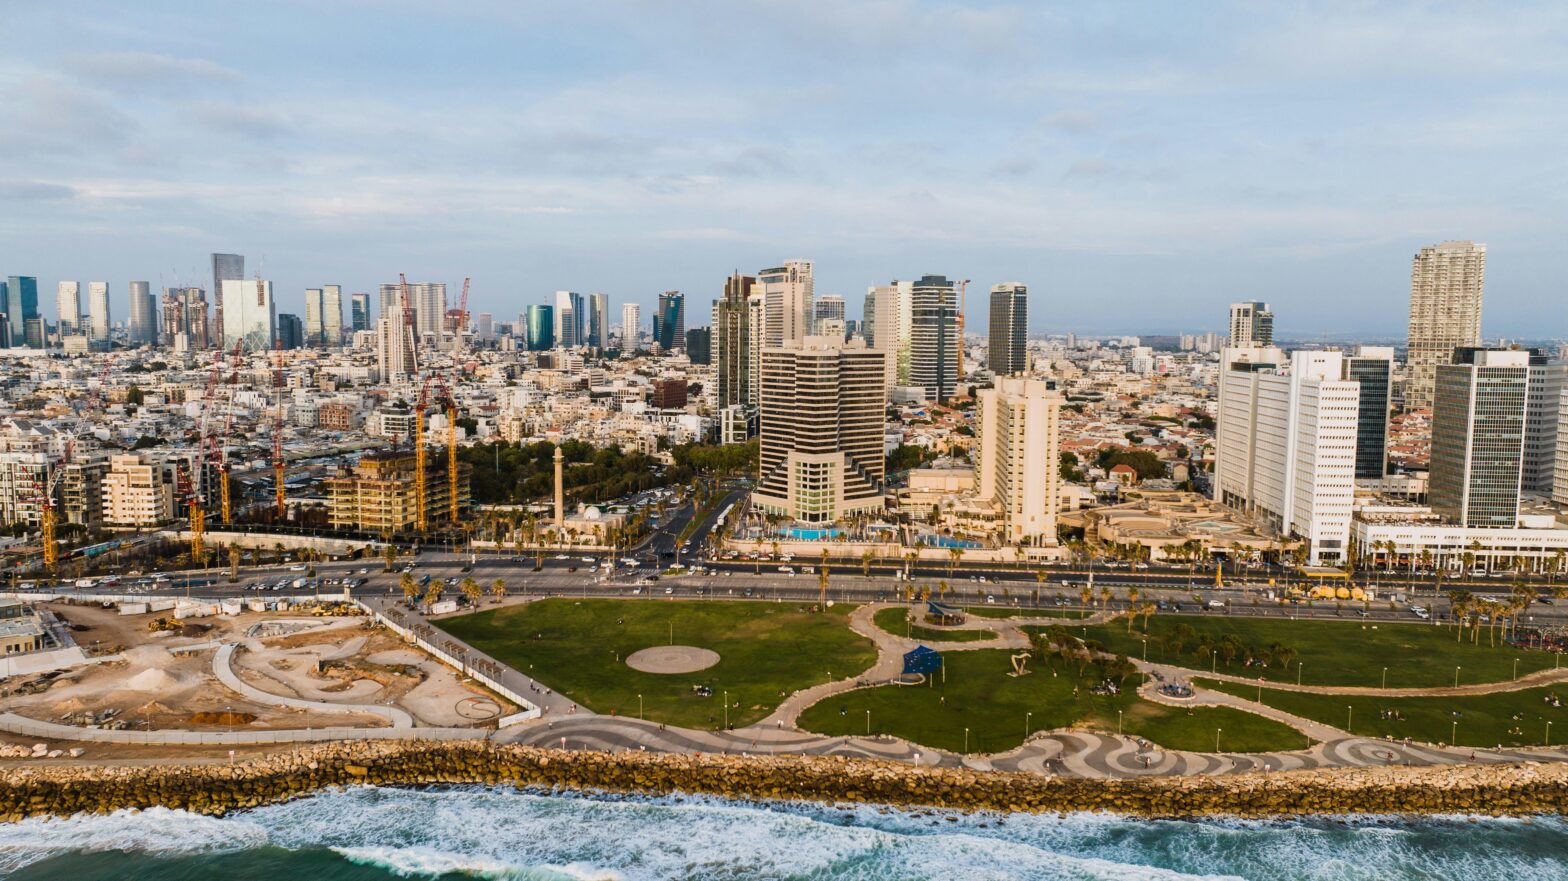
(631, 325)
(1560, 472)
(185, 318)
(225, 267)
(787, 293)
(822, 455)
(668, 394)
(429, 298)
(1478, 422)
(731, 328)
(143, 310)
(395, 345)
(291, 331)
(68, 303)
(541, 328)
(887, 320)
(829, 307)
(249, 315)
(332, 315)
(596, 333)
(484, 326)
(1251, 325)
(378, 495)
(1372, 368)
(669, 321)
(21, 307)
(138, 491)
(1009, 322)
(98, 319)
(933, 337)
(569, 319)
(699, 345)
(756, 328)
(1542, 412)
(359, 309)
(314, 332)
(1019, 441)
(1446, 286)
(1285, 445)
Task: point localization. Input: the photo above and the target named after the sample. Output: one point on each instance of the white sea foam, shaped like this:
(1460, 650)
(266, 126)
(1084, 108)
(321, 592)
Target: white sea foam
(408, 862)
(155, 831)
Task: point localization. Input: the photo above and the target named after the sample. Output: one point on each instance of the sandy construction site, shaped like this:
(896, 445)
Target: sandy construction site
(286, 670)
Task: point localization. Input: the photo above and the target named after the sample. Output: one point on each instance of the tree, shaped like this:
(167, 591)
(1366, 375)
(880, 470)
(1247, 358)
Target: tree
(388, 557)
(955, 553)
(410, 588)
(433, 592)
(471, 590)
(498, 589)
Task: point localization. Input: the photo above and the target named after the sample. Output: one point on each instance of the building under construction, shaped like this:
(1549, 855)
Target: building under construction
(379, 495)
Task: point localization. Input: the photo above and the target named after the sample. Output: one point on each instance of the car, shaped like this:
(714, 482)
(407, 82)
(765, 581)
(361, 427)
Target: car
(571, 568)
(747, 592)
(562, 557)
(365, 571)
(787, 570)
(668, 591)
(990, 600)
(636, 591)
(1216, 604)
(589, 560)
(300, 567)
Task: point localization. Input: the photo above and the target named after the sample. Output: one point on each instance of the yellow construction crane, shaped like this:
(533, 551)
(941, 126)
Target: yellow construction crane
(451, 457)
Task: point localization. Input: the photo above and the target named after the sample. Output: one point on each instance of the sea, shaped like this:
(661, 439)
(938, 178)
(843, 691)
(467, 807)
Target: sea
(370, 833)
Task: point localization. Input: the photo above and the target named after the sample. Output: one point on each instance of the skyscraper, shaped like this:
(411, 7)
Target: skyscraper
(1478, 425)
(1285, 445)
(429, 299)
(395, 344)
(1009, 328)
(631, 325)
(568, 319)
(1544, 401)
(1446, 286)
(332, 315)
(699, 345)
(731, 327)
(888, 317)
(143, 314)
(822, 421)
(291, 331)
(828, 307)
(249, 315)
(1019, 436)
(598, 321)
(225, 267)
(1251, 325)
(359, 307)
(98, 320)
(669, 322)
(68, 303)
(787, 293)
(21, 307)
(933, 343)
(312, 325)
(1372, 369)
(541, 328)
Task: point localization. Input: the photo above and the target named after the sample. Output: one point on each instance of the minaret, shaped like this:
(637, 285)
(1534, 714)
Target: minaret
(560, 492)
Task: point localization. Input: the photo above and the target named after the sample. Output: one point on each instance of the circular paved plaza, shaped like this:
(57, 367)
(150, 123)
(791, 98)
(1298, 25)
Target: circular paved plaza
(672, 659)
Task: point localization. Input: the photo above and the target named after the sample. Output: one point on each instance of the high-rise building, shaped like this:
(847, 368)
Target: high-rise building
(1446, 286)
(822, 455)
(1009, 322)
(359, 308)
(1019, 438)
(669, 322)
(888, 316)
(1251, 325)
(631, 325)
(249, 315)
(484, 326)
(185, 315)
(668, 394)
(98, 319)
(429, 307)
(21, 307)
(541, 328)
(699, 345)
(829, 307)
(68, 303)
(395, 345)
(1478, 421)
(568, 319)
(1560, 474)
(143, 310)
(598, 330)
(225, 267)
(933, 337)
(731, 327)
(1285, 445)
(312, 324)
(332, 315)
(1372, 368)
(379, 494)
(787, 293)
(291, 331)
(1547, 379)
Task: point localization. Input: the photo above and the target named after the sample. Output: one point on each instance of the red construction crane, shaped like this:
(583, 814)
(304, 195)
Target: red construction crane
(458, 318)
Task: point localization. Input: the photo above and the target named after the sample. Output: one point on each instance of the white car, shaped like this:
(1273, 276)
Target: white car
(562, 557)
(297, 568)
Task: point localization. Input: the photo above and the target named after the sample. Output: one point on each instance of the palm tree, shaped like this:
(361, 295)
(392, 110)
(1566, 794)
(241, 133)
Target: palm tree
(433, 592)
(471, 590)
(865, 563)
(410, 588)
(498, 589)
(955, 553)
(389, 557)
(234, 563)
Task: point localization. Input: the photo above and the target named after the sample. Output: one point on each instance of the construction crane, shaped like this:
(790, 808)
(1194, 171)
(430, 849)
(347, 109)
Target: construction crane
(459, 320)
(277, 426)
(205, 443)
(198, 516)
(421, 516)
(222, 450)
(45, 489)
(451, 457)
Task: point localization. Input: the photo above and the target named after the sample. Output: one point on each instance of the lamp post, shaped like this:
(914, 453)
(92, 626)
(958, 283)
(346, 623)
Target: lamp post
(1217, 739)
(726, 710)
(1350, 712)
(1385, 677)
(1299, 665)
(639, 706)
(1516, 668)
(1456, 676)
(868, 723)
(1214, 661)
(1146, 649)
(1118, 723)
(1453, 734)
(1548, 732)
(966, 741)
(1028, 727)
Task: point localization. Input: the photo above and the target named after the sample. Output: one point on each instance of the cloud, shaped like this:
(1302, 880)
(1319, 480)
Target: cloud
(244, 120)
(148, 72)
(34, 191)
(48, 116)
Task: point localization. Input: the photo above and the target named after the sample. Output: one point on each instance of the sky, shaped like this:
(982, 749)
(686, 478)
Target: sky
(1138, 165)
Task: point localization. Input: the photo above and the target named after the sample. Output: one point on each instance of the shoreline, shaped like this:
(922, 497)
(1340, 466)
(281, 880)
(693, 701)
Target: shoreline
(216, 789)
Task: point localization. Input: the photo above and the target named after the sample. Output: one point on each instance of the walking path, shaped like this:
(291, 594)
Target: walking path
(223, 668)
(1529, 680)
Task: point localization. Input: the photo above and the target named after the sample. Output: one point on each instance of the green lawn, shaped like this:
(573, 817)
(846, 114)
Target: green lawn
(896, 622)
(578, 647)
(981, 696)
(1484, 720)
(1329, 652)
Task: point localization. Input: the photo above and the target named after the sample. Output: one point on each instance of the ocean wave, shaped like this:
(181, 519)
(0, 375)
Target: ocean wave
(158, 831)
(407, 862)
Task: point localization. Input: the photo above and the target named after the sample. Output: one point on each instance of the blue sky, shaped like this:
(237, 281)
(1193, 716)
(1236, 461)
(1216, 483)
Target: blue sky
(1139, 165)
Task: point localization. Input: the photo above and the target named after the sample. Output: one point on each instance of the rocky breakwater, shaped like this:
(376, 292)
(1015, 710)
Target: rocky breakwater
(220, 788)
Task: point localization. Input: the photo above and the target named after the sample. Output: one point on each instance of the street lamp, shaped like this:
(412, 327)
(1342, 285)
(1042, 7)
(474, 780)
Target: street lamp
(1548, 732)
(1118, 723)
(868, 723)
(726, 710)
(1456, 676)
(639, 706)
(1385, 677)
(1350, 712)
(1516, 668)
(1299, 665)
(1217, 739)
(1453, 735)
(1028, 727)
(966, 741)
(1146, 649)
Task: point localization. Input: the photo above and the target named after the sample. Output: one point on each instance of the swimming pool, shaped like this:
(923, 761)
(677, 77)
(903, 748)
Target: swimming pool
(944, 541)
(802, 533)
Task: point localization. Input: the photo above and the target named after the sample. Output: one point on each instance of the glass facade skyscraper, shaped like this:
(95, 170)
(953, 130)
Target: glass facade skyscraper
(1478, 424)
(541, 328)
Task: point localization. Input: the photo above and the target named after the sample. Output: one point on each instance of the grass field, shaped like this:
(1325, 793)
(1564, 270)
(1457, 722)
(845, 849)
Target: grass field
(1483, 720)
(578, 647)
(979, 695)
(1417, 655)
(897, 622)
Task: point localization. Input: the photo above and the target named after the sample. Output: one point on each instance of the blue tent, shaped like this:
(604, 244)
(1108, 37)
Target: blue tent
(922, 660)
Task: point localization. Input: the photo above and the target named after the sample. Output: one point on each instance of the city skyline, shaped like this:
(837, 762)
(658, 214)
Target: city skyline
(1305, 182)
